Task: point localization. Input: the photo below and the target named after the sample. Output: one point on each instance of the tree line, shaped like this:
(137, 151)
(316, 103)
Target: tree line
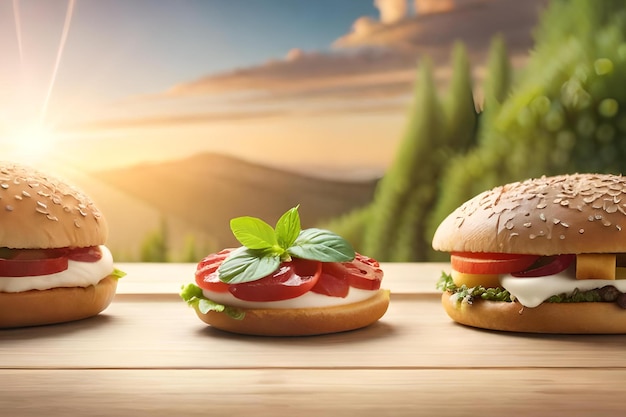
(564, 112)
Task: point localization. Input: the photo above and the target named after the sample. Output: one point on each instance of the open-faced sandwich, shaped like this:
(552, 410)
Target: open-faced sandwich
(285, 281)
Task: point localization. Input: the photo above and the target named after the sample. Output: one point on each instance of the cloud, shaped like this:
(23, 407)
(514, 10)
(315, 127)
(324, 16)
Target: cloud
(423, 7)
(377, 59)
(439, 23)
(392, 11)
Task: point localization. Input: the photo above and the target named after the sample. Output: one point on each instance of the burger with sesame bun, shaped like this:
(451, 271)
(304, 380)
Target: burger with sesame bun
(54, 266)
(545, 255)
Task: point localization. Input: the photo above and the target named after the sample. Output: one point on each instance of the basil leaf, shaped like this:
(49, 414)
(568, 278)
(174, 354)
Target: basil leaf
(321, 245)
(245, 265)
(288, 228)
(253, 233)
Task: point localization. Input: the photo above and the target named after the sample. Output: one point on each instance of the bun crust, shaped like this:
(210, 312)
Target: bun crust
(38, 211)
(554, 318)
(56, 305)
(581, 213)
(302, 322)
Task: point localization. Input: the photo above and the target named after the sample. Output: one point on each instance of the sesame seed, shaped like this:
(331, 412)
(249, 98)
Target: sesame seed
(528, 224)
(42, 205)
(8, 207)
(4, 185)
(542, 217)
(581, 231)
(76, 223)
(53, 218)
(18, 197)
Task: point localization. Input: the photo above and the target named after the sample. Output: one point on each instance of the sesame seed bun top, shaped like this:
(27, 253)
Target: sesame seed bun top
(579, 213)
(38, 211)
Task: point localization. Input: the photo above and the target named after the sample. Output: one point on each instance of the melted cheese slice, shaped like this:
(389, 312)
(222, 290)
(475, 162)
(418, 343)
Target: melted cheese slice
(306, 300)
(531, 292)
(77, 274)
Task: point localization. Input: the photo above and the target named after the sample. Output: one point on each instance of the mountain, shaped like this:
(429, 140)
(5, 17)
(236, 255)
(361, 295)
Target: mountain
(206, 190)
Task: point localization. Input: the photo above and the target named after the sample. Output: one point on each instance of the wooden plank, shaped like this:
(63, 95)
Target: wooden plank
(307, 392)
(148, 331)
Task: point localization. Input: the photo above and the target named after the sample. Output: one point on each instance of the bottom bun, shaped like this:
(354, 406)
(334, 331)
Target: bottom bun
(56, 305)
(566, 318)
(304, 321)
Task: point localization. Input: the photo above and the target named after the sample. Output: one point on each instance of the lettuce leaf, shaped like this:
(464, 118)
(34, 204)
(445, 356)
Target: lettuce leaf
(118, 273)
(465, 294)
(192, 295)
(468, 295)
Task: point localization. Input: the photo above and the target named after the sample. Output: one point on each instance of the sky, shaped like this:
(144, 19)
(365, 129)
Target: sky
(321, 86)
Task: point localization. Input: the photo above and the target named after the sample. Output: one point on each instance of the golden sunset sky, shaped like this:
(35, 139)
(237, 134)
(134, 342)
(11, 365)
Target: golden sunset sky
(321, 86)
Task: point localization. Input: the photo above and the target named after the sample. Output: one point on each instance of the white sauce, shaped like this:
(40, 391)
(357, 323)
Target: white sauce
(78, 274)
(306, 300)
(531, 292)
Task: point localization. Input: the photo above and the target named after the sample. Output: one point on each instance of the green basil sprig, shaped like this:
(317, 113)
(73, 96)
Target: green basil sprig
(265, 247)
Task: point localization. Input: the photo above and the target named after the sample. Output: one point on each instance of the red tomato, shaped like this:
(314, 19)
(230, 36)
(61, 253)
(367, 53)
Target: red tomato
(490, 263)
(362, 272)
(291, 280)
(31, 262)
(206, 272)
(333, 281)
(88, 254)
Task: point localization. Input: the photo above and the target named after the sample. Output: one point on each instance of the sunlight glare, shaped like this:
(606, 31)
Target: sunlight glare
(31, 143)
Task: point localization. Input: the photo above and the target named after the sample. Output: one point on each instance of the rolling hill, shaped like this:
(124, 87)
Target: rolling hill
(206, 190)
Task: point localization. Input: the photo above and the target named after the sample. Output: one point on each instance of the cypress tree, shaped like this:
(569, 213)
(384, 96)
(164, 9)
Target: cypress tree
(567, 112)
(459, 106)
(412, 168)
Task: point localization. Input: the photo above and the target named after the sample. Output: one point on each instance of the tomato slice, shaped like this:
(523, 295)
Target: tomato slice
(490, 263)
(88, 254)
(31, 262)
(547, 265)
(206, 272)
(332, 281)
(362, 272)
(35, 262)
(291, 280)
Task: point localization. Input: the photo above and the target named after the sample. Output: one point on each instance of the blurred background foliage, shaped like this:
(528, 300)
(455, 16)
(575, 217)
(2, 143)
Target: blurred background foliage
(565, 112)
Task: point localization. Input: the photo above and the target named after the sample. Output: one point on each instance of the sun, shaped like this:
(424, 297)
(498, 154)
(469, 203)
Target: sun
(29, 143)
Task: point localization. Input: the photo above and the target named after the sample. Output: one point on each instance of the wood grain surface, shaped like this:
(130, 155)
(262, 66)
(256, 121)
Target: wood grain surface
(149, 355)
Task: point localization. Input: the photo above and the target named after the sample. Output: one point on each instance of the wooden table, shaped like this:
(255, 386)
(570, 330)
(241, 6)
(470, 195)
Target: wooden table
(149, 355)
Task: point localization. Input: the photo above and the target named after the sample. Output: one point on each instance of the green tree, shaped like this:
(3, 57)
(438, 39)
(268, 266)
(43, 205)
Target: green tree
(567, 112)
(496, 88)
(410, 170)
(459, 107)
(155, 246)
